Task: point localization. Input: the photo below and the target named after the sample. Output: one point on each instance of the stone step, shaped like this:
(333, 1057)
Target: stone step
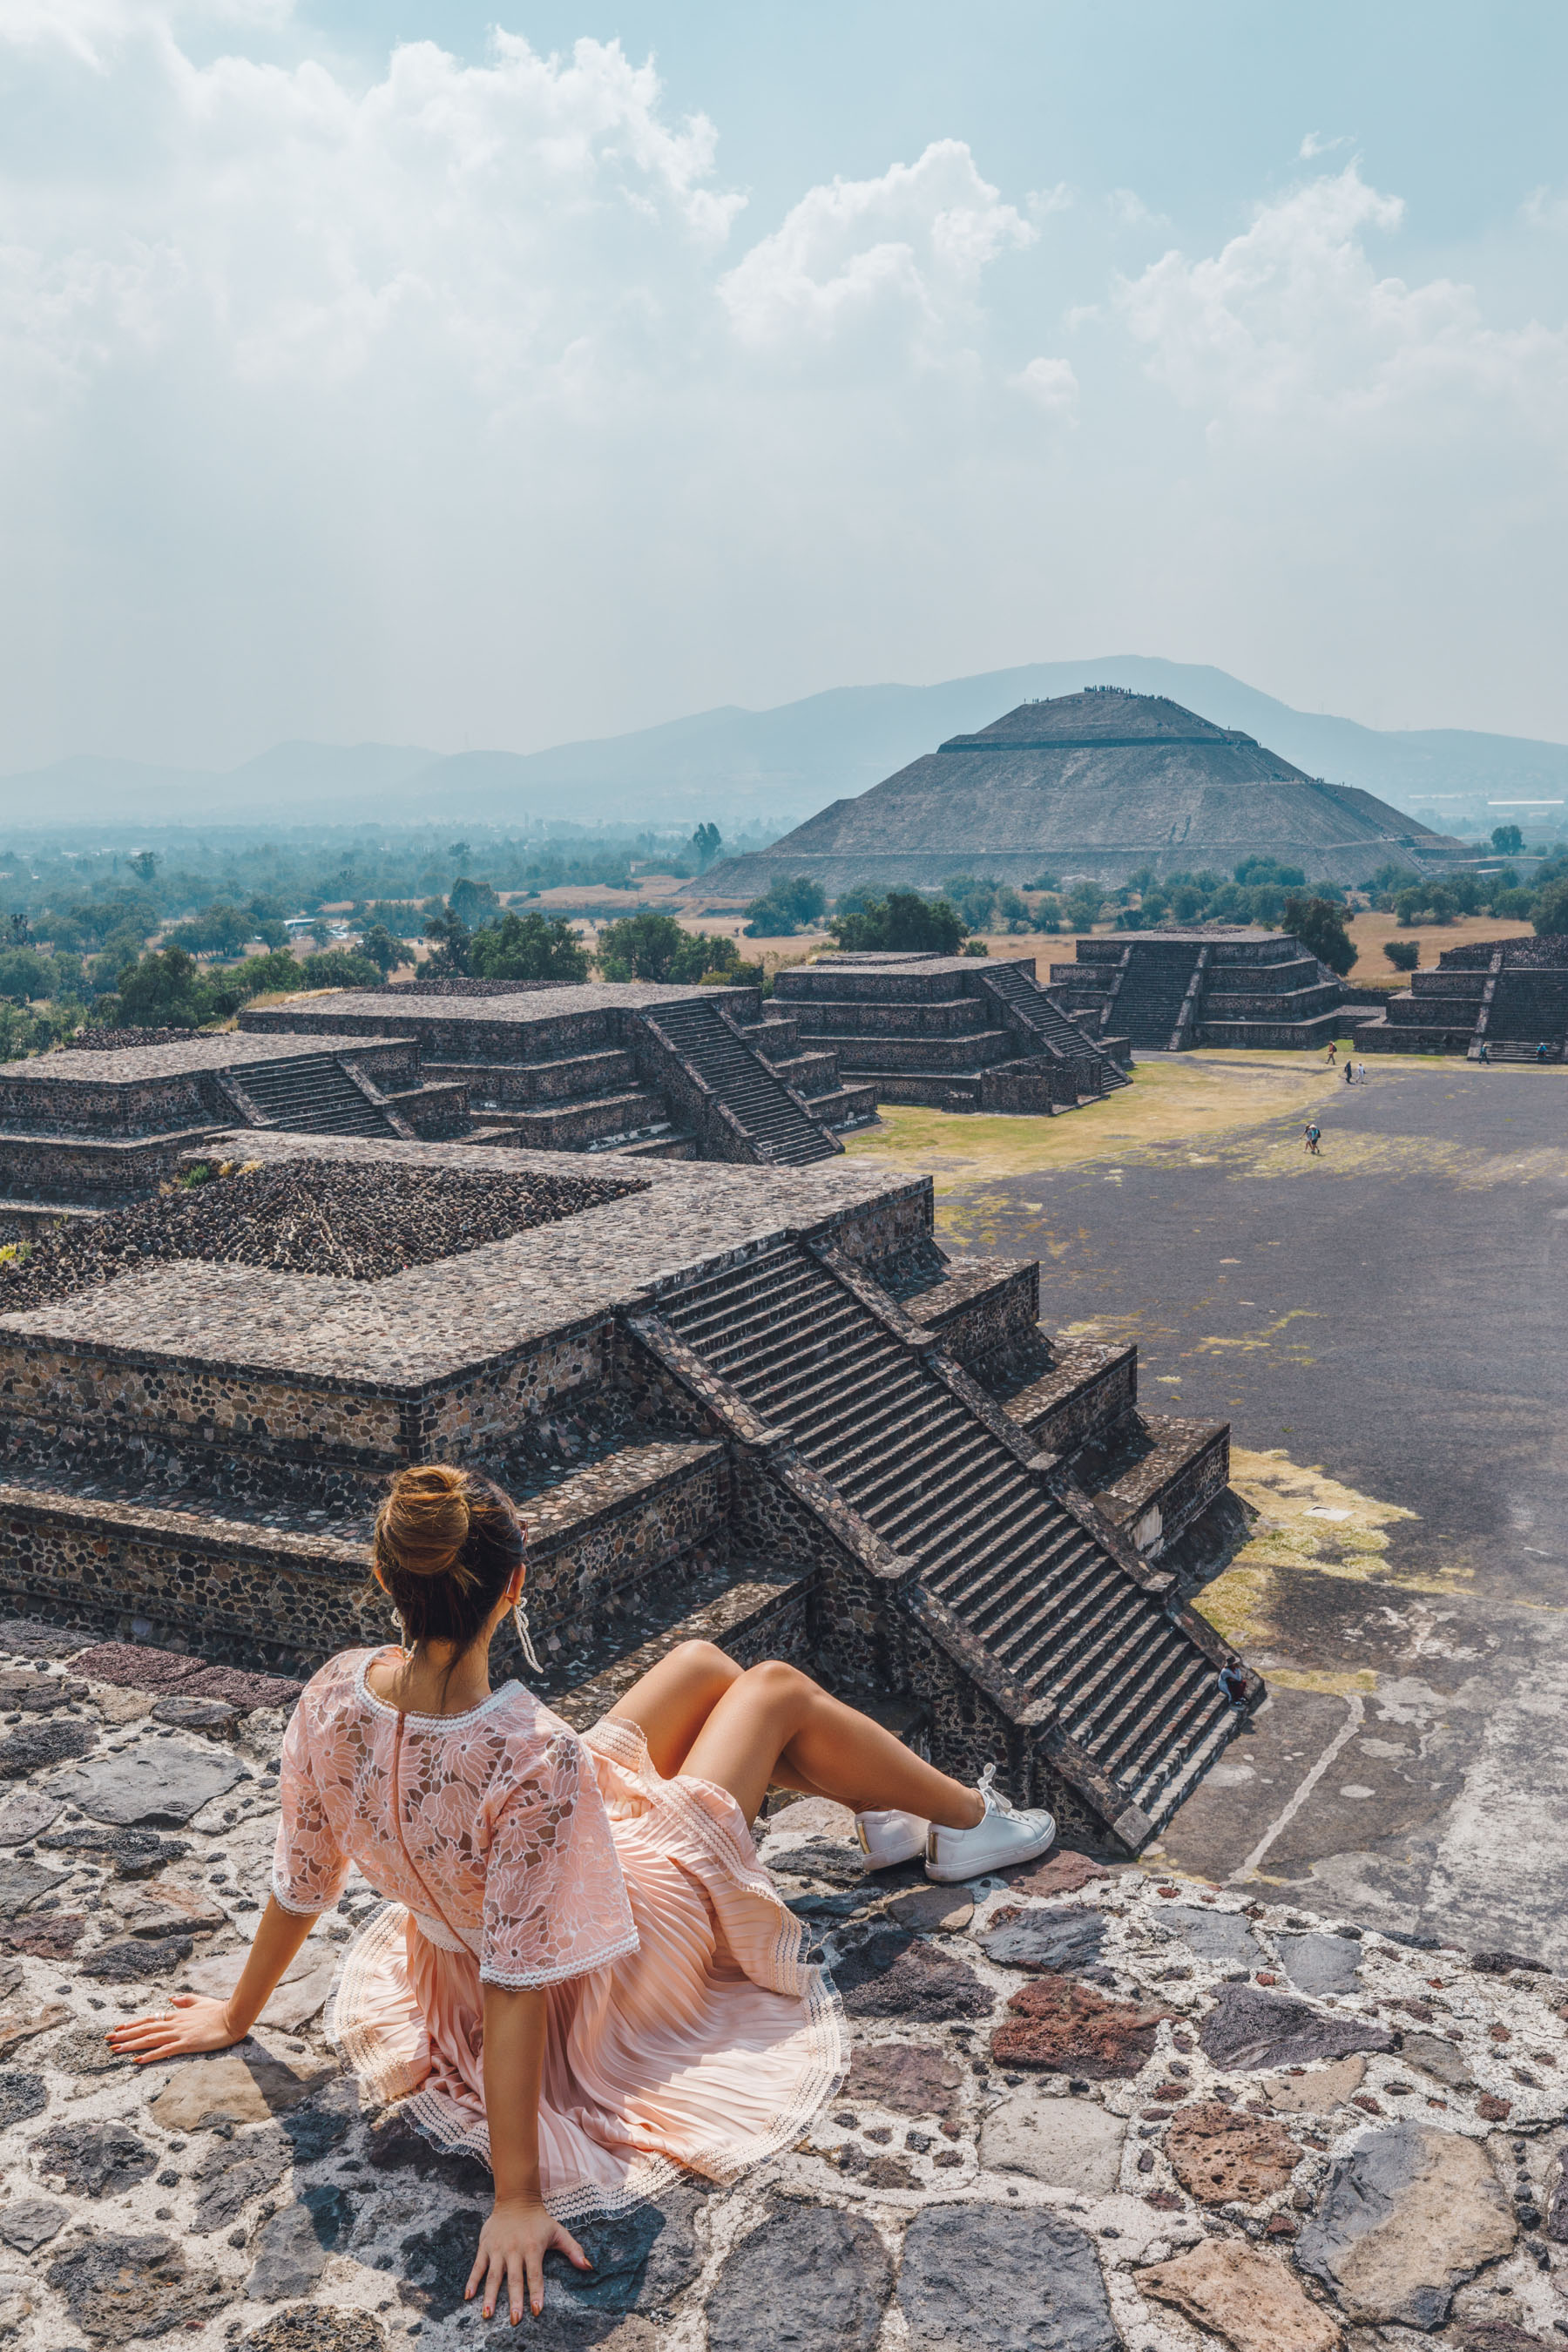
(978, 1304)
(111, 1170)
(864, 1059)
(224, 1575)
(754, 1612)
(1087, 1390)
(845, 1106)
(1020, 1567)
(577, 1125)
(1155, 1475)
(525, 1085)
(747, 1084)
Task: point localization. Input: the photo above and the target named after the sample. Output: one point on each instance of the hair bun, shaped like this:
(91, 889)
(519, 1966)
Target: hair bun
(426, 1519)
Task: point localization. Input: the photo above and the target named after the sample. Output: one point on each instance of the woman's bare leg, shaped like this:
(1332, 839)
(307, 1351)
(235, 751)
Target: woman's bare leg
(772, 1724)
(674, 1699)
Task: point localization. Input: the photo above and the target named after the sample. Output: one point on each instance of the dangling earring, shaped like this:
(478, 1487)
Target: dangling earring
(519, 1619)
(400, 1629)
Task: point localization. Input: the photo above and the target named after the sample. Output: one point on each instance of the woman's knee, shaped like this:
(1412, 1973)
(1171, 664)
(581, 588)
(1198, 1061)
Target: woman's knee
(705, 1661)
(777, 1683)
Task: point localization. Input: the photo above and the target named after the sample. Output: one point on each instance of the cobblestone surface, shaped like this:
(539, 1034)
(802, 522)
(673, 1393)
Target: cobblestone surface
(247, 2198)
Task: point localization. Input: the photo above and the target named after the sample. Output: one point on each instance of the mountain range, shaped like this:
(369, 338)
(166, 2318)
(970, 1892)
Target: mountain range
(757, 767)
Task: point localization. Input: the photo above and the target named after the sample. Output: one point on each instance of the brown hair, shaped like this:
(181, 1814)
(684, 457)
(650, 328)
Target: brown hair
(446, 1542)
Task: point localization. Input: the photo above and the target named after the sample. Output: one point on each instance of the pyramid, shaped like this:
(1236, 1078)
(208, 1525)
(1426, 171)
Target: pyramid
(1089, 785)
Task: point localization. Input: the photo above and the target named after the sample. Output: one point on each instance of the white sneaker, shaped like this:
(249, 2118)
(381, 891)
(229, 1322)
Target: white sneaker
(891, 1837)
(1001, 1839)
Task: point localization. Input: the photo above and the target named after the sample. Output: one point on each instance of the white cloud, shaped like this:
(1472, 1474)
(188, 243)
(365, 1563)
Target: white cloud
(906, 248)
(1051, 384)
(1316, 143)
(1292, 317)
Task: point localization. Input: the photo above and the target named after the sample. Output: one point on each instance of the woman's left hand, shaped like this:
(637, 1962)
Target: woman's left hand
(510, 2257)
(190, 2025)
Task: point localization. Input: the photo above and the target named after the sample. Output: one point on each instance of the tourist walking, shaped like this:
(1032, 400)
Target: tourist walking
(1350, 1071)
(1333, 1053)
(1361, 1074)
(581, 1973)
(1311, 1137)
(1483, 1056)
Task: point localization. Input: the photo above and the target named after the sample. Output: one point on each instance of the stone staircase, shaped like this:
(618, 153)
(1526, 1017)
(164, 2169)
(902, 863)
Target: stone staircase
(770, 1116)
(1093, 1657)
(313, 1094)
(1028, 1001)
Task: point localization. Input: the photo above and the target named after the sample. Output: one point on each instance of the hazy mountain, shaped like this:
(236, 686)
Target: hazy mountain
(777, 765)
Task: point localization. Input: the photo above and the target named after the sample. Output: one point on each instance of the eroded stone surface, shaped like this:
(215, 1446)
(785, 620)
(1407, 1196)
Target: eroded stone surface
(1443, 2061)
(1062, 1873)
(21, 2094)
(1249, 2028)
(245, 2085)
(822, 2279)
(303, 1994)
(93, 2159)
(1319, 1964)
(294, 2244)
(890, 1973)
(909, 2077)
(1043, 1937)
(117, 2288)
(29, 2222)
(1067, 2143)
(28, 1811)
(1224, 1938)
(1220, 2156)
(159, 1786)
(1072, 2028)
(993, 2278)
(312, 2329)
(1248, 2298)
(1316, 2090)
(1405, 2218)
(928, 1909)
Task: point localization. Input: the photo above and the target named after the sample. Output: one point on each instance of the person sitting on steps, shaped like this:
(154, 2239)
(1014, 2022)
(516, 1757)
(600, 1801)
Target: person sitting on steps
(580, 1974)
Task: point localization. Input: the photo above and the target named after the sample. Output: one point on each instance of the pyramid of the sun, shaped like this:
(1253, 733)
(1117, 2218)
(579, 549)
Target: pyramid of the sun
(1092, 785)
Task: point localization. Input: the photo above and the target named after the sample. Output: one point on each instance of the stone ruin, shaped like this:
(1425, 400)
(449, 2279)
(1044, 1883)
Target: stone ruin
(1214, 984)
(1509, 995)
(1089, 2110)
(760, 1405)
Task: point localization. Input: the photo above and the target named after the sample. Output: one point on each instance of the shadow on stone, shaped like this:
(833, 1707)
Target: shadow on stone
(808, 2279)
(993, 2278)
(889, 1973)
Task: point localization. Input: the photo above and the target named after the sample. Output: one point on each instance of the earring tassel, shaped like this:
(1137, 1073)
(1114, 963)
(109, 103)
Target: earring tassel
(519, 1619)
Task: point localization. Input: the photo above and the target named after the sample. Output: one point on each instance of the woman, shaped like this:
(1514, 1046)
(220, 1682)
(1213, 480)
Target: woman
(581, 1973)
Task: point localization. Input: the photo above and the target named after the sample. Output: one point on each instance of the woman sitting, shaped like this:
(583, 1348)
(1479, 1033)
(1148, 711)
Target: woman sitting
(582, 1974)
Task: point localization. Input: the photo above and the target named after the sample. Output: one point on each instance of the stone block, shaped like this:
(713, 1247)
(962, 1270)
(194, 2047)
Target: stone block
(999, 2278)
(1246, 2296)
(1067, 2143)
(1222, 2157)
(1404, 2220)
(1249, 2028)
(157, 1788)
(911, 2078)
(246, 2084)
(118, 2289)
(821, 2278)
(1318, 2090)
(1320, 1964)
(1072, 2028)
(1053, 1939)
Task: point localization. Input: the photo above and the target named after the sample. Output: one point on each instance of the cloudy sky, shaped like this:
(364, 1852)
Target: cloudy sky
(377, 368)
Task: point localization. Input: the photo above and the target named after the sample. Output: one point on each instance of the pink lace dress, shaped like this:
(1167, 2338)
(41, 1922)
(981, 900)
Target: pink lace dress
(687, 2025)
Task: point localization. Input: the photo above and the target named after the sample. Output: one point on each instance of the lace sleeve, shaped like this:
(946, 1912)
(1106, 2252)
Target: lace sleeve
(308, 1866)
(555, 1902)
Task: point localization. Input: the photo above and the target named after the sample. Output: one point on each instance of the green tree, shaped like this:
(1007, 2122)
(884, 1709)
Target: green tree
(707, 841)
(378, 945)
(1551, 911)
(1507, 840)
(526, 947)
(656, 946)
(901, 923)
(450, 942)
(1257, 869)
(337, 968)
(474, 903)
(1320, 927)
(1410, 904)
(1402, 954)
(784, 908)
(162, 990)
(144, 864)
(1082, 906)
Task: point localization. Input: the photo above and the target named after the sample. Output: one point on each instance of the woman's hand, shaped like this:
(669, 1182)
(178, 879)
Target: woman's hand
(189, 2025)
(510, 2259)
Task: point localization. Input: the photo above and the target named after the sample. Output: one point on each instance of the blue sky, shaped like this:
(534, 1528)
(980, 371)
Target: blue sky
(366, 372)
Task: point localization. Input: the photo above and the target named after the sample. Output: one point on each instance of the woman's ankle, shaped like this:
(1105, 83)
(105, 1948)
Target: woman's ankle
(966, 1811)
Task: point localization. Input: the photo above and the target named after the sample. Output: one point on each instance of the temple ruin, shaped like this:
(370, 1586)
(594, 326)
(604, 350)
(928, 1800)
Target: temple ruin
(754, 1403)
(1508, 996)
(1215, 984)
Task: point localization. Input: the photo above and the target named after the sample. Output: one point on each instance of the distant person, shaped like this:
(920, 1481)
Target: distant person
(1350, 1071)
(1361, 1074)
(1312, 1138)
(1484, 1056)
(1544, 1052)
(1333, 1055)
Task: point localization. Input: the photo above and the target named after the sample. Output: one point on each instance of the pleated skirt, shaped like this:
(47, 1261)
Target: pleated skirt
(710, 2048)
